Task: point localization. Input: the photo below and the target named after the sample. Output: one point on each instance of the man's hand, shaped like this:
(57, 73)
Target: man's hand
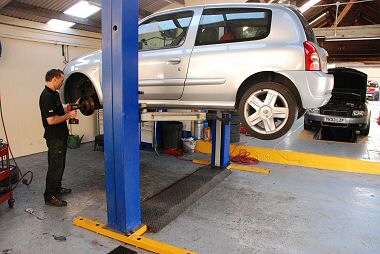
(60, 119)
(71, 114)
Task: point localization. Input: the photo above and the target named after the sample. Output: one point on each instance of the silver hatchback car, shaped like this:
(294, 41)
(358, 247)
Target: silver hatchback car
(261, 60)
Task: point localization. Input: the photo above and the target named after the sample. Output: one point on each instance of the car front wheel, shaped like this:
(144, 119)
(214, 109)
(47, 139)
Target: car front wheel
(268, 110)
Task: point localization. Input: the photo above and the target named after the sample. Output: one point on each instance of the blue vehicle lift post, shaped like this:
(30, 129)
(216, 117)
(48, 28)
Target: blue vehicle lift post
(121, 113)
(221, 129)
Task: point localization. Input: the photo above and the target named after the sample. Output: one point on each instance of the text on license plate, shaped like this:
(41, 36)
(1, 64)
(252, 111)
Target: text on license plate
(334, 120)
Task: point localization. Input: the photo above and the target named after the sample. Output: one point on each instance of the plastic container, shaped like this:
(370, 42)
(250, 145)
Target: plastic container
(188, 145)
(171, 133)
(74, 141)
(198, 130)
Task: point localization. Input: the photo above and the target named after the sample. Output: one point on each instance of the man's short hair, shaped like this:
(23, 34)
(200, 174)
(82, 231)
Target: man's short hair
(53, 73)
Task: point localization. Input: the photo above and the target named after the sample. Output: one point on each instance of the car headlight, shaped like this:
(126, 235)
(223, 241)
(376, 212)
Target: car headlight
(314, 110)
(358, 113)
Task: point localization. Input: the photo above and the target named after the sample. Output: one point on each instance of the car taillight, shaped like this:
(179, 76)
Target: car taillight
(371, 89)
(312, 59)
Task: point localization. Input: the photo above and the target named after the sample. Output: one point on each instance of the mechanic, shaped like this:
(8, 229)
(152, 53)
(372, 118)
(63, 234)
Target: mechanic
(56, 132)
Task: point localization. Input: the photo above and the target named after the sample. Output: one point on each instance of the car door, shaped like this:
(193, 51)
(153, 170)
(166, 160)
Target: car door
(164, 55)
(223, 48)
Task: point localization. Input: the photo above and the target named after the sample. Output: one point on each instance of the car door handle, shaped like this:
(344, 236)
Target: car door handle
(174, 60)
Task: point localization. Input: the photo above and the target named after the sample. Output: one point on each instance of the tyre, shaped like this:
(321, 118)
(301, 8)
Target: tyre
(301, 113)
(365, 131)
(268, 110)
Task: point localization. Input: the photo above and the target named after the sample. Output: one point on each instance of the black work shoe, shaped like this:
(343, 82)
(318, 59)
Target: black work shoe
(63, 191)
(54, 201)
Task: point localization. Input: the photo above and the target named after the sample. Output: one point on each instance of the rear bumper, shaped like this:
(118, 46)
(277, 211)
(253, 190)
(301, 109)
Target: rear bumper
(318, 120)
(314, 87)
(371, 95)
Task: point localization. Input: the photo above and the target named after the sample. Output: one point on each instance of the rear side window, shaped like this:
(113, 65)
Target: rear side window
(306, 27)
(166, 31)
(233, 25)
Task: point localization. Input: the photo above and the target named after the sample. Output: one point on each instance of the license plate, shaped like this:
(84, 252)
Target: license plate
(334, 120)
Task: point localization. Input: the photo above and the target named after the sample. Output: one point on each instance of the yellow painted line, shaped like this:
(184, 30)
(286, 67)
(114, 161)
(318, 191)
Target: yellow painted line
(247, 168)
(134, 239)
(202, 162)
(302, 159)
(140, 231)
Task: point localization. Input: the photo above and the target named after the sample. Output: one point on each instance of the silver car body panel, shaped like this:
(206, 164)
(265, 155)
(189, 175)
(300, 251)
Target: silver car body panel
(209, 76)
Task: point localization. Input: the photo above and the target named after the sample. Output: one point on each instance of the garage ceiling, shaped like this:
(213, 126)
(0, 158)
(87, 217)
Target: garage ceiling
(321, 15)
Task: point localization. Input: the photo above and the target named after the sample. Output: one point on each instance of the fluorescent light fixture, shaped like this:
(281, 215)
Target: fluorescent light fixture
(307, 5)
(60, 24)
(82, 9)
(315, 20)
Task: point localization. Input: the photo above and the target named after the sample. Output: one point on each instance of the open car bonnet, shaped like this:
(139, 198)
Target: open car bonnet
(350, 81)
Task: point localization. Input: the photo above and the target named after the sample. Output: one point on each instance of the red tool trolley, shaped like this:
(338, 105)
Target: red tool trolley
(5, 174)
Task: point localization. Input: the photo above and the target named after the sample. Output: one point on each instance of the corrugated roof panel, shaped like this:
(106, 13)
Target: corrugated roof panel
(29, 17)
(60, 6)
(153, 5)
(54, 5)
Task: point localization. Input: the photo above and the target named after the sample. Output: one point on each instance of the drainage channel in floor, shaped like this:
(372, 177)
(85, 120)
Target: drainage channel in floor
(336, 134)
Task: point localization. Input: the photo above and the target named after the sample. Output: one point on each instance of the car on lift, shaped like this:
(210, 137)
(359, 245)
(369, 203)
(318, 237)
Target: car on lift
(261, 60)
(373, 90)
(347, 108)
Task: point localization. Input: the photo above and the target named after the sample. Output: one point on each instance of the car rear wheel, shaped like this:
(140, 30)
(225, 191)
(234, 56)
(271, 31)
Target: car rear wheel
(268, 110)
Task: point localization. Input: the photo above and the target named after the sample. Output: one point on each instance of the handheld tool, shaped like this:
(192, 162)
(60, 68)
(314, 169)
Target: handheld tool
(86, 106)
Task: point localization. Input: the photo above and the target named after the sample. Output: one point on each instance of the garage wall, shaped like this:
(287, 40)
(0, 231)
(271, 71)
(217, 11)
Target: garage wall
(372, 72)
(22, 70)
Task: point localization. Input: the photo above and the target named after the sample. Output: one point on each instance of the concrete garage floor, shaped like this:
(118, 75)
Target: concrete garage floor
(367, 148)
(292, 210)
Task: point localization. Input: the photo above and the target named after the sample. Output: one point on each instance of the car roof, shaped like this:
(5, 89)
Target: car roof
(224, 5)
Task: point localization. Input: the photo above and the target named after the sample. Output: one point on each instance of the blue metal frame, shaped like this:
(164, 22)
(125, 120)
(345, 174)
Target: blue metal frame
(224, 147)
(226, 138)
(121, 113)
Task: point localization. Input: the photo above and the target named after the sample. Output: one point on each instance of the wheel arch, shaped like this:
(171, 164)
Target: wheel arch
(269, 76)
(78, 84)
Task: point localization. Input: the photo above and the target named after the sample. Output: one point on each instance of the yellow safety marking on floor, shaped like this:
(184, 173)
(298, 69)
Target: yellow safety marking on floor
(302, 159)
(202, 162)
(141, 231)
(247, 168)
(134, 239)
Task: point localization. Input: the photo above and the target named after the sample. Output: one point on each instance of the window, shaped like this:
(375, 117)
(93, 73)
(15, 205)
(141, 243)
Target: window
(306, 27)
(233, 25)
(165, 31)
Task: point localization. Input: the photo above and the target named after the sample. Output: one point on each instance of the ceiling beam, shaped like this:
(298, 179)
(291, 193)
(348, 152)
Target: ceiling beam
(21, 8)
(344, 13)
(369, 31)
(4, 3)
